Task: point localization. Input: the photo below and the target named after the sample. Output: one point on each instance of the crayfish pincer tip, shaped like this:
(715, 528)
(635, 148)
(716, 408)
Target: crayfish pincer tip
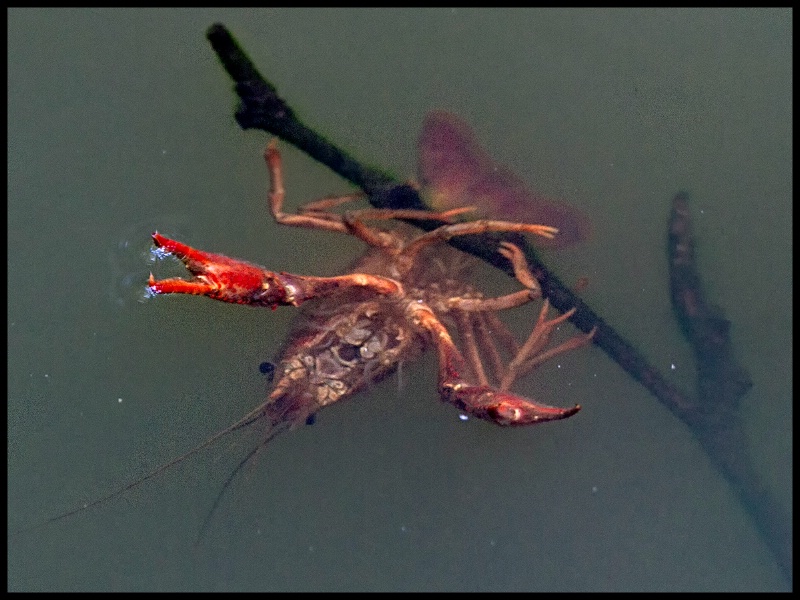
(167, 245)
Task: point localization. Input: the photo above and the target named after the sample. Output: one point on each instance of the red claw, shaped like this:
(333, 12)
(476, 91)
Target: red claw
(222, 278)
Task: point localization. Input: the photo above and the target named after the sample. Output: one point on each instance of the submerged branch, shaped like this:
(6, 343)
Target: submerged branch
(262, 108)
(721, 382)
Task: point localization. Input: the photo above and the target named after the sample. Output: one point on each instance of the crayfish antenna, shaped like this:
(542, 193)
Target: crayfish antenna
(250, 455)
(250, 418)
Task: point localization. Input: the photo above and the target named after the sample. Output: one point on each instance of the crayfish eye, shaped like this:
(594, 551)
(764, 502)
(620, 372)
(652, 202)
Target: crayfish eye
(268, 369)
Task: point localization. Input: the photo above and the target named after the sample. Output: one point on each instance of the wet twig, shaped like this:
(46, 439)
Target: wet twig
(721, 384)
(714, 420)
(261, 108)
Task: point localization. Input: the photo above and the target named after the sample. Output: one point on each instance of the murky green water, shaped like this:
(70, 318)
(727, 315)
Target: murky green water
(120, 122)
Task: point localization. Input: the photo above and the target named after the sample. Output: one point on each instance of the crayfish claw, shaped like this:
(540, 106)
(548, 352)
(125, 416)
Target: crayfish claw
(178, 286)
(502, 408)
(221, 278)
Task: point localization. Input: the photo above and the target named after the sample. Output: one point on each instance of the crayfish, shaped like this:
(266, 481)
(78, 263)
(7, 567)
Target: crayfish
(400, 299)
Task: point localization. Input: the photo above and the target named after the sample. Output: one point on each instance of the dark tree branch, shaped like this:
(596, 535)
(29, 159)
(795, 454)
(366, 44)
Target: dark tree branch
(713, 420)
(262, 108)
(721, 384)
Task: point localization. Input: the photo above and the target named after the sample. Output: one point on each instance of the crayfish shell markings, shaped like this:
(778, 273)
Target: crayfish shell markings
(345, 353)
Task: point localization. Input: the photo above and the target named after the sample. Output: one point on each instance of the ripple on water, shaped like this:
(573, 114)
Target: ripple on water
(132, 260)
